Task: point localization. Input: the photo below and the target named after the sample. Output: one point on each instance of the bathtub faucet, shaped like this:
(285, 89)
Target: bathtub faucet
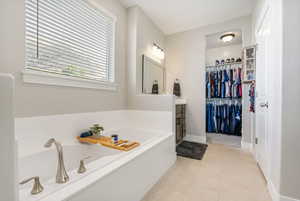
(61, 175)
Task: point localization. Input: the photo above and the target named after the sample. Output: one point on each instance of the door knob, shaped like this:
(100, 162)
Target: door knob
(266, 105)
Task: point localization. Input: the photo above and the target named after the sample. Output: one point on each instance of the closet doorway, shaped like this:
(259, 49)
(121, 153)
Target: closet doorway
(224, 93)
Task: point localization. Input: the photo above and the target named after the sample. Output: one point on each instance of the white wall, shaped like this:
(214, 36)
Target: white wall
(290, 165)
(284, 98)
(8, 185)
(219, 53)
(142, 33)
(186, 61)
(35, 100)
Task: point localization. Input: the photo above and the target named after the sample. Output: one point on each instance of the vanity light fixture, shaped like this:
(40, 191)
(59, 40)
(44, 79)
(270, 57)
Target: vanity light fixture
(158, 52)
(227, 37)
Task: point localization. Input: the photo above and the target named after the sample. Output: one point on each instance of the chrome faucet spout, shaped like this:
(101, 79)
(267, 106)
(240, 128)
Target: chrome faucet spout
(61, 175)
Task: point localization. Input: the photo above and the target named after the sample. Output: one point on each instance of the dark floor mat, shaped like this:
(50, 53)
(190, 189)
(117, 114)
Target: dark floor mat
(191, 150)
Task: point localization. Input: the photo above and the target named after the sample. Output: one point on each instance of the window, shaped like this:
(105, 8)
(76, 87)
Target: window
(69, 39)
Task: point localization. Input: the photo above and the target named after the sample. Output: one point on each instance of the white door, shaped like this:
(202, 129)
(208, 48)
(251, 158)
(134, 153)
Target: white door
(262, 68)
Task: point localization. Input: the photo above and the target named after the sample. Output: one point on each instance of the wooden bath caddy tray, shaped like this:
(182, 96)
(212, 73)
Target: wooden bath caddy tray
(107, 141)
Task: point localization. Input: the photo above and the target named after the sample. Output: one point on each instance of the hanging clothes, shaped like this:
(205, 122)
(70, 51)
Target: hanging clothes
(224, 83)
(224, 118)
(239, 83)
(252, 97)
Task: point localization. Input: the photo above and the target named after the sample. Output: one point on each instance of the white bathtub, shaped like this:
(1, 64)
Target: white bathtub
(108, 170)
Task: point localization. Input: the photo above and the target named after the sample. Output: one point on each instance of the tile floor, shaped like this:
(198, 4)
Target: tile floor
(225, 174)
(233, 141)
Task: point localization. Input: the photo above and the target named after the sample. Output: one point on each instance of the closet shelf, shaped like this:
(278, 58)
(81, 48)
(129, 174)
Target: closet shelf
(226, 64)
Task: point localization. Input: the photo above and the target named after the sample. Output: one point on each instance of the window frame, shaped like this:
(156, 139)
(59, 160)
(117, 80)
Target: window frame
(46, 78)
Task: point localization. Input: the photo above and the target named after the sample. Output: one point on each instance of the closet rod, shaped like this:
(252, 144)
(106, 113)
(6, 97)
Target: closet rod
(225, 98)
(222, 65)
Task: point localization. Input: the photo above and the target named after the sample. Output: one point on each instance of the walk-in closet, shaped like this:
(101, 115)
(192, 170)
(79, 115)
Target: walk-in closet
(224, 90)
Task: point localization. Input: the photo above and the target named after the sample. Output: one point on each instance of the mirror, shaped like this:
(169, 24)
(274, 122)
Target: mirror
(153, 76)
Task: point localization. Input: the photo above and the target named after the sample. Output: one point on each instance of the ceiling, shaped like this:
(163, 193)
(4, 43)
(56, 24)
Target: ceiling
(173, 16)
(214, 41)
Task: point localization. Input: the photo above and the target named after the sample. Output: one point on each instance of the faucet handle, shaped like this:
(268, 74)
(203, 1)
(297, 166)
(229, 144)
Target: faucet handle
(82, 168)
(37, 187)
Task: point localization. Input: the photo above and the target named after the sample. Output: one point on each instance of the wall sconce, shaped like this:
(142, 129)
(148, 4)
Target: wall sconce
(158, 52)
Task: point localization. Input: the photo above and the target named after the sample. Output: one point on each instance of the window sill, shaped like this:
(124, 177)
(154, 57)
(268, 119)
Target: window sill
(44, 78)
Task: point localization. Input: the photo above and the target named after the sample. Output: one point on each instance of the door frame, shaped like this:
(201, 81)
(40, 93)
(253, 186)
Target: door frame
(266, 12)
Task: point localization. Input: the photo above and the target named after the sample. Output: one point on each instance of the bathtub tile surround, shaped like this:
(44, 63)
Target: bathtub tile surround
(104, 166)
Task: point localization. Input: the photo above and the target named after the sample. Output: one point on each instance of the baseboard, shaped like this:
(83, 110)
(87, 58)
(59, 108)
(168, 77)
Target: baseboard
(195, 138)
(285, 198)
(273, 192)
(246, 146)
(276, 196)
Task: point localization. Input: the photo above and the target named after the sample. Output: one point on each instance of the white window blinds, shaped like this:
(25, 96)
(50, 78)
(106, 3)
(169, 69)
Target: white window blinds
(71, 38)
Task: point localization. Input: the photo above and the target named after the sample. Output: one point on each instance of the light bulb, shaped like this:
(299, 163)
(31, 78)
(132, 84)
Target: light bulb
(157, 52)
(162, 55)
(227, 37)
